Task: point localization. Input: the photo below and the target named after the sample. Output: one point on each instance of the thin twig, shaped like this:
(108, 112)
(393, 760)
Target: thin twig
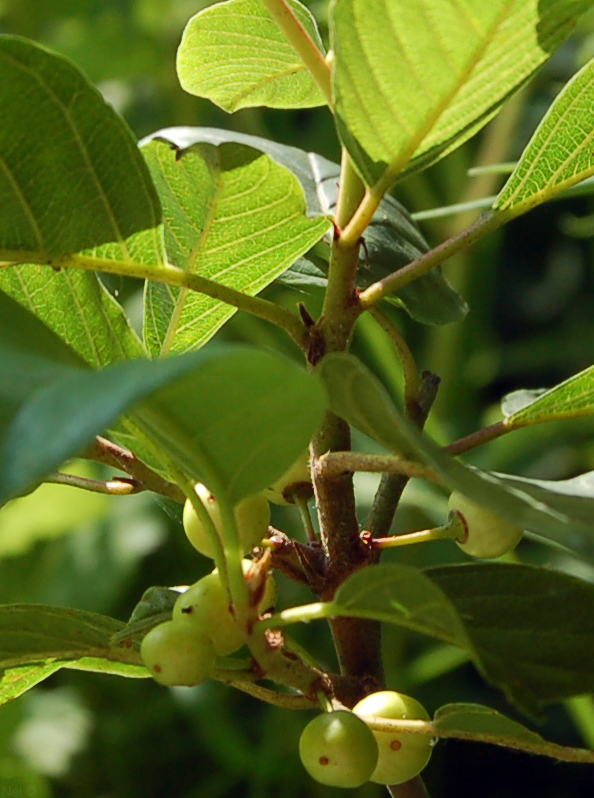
(118, 486)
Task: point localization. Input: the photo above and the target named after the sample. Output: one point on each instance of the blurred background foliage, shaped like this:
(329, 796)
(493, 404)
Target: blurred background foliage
(531, 324)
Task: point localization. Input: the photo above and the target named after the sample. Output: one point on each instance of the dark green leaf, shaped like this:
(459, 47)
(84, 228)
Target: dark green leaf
(233, 215)
(235, 54)
(65, 188)
(235, 418)
(403, 595)
(392, 239)
(532, 629)
(358, 396)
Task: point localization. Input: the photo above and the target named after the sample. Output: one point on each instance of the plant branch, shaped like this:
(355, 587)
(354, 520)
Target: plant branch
(453, 530)
(284, 700)
(412, 384)
(105, 451)
(540, 747)
(171, 275)
(334, 463)
(486, 223)
(392, 485)
(119, 486)
(478, 438)
(303, 44)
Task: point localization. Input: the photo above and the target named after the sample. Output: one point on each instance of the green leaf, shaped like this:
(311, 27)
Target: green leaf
(357, 395)
(392, 239)
(237, 422)
(16, 681)
(235, 418)
(37, 633)
(232, 215)
(559, 153)
(569, 399)
(401, 594)
(235, 55)
(532, 628)
(477, 720)
(77, 306)
(415, 86)
(65, 188)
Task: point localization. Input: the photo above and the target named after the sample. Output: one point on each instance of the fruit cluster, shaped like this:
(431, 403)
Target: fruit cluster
(339, 749)
(183, 651)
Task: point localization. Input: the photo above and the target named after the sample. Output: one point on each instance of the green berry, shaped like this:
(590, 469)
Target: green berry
(401, 755)
(487, 535)
(296, 478)
(338, 749)
(177, 654)
(252, 516)
(206, 606)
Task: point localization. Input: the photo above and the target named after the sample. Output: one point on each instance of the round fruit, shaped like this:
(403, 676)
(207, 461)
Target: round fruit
(205, 605)
(177, 654)
(486, 535)
(338, 749)
(402, 755)
(298, 477)
(252, 516)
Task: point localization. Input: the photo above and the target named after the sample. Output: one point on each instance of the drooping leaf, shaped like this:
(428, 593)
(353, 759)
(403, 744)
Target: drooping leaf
(478, 723)
(233, 417)
(65, 189)
(403, 595)
(237, 422)
(532, 628)
(475, 719)
(37, 633)
(411, 89)
(77, 306)
(235, 55)
(551, 511)
(559, 154)
(392, 239)
(232, 215)
(570, 399)
(16, 681)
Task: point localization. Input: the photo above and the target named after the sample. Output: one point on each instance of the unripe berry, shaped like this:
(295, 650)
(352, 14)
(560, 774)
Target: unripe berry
(487, 535)
(402, 755)
(338, 749)
(205, 605)
(297, 477)
(252, 516)
(177, 654)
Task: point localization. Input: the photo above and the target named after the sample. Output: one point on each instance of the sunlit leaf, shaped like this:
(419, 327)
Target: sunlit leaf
(560, 153)
(77, 306)
(411, 88)
(235, 54)
(569, 399)
(232, 215)
(65, 189)
(392, 239)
